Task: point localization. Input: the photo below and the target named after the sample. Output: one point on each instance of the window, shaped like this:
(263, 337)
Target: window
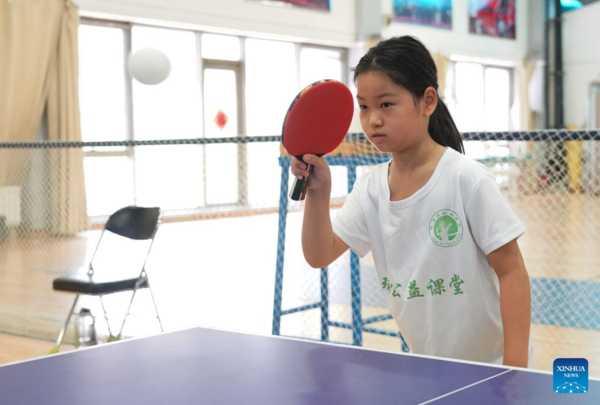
(319, 63)
(102, 82)
(221, 47)
(479, 98)
(102, 88)
(219, 86)
(225, 182)
(168, 176)
(267, 85)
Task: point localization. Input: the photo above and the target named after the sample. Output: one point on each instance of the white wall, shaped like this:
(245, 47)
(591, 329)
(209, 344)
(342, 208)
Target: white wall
(581, 61)
(236, 16)
(459, 41)
(535, 29)
(335, 28)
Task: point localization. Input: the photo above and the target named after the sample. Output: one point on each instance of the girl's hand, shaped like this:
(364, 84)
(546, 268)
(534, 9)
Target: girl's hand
(319, 179)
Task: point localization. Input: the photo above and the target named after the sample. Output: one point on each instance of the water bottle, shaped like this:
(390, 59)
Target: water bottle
(85, 328)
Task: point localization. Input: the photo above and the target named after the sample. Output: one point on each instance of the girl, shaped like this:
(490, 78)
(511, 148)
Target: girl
(444, 241)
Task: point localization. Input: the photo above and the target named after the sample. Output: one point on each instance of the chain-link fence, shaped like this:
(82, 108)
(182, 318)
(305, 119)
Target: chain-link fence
(551, 179)
(229, 233)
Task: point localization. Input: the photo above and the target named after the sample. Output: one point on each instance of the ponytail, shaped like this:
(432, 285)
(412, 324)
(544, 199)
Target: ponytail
(443, 129)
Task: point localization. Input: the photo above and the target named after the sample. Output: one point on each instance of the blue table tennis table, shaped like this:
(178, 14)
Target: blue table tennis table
(207, 366)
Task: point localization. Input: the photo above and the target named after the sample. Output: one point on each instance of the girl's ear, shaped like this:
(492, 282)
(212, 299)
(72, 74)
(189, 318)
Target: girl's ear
(430, 100)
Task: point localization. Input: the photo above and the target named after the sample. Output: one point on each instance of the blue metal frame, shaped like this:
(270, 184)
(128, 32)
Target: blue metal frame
(283, 209)
(359, 325)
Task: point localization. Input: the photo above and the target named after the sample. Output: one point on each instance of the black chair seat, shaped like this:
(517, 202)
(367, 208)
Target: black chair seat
(96, 284)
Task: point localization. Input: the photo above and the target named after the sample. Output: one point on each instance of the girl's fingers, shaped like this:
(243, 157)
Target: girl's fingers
(315, 161)
(298, 168)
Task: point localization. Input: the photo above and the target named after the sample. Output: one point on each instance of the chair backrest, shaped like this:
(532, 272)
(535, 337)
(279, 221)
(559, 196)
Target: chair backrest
(137, 223)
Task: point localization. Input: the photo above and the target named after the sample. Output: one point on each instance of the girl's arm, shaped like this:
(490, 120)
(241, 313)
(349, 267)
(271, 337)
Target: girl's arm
(321, 246)
(515, 302)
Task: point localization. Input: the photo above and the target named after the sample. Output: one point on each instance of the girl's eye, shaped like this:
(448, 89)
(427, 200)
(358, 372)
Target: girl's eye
(386, 105)
(362, 107)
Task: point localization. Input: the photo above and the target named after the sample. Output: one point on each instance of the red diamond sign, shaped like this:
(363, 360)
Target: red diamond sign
(221, 119)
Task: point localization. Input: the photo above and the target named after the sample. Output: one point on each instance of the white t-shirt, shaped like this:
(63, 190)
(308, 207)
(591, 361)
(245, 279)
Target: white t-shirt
(430, 255)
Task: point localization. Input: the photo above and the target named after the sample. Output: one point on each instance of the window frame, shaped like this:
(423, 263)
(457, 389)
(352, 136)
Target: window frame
(485, 65)
(201, 65)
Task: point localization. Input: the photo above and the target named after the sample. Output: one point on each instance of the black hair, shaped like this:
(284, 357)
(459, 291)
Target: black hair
(407, 62)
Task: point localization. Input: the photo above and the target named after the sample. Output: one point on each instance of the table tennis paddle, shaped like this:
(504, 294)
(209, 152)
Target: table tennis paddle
(316, 123)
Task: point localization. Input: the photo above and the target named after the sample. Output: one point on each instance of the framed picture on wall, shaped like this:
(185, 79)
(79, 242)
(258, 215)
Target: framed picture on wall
(434, 13)
(496, 18)
(314, 4)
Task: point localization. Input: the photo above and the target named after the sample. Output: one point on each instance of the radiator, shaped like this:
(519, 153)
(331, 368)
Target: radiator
(10, 205)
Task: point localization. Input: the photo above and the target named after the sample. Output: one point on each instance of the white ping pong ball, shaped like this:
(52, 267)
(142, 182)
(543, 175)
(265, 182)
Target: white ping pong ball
(149, 66)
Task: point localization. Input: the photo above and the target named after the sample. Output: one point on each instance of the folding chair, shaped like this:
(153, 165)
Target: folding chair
(135, 223)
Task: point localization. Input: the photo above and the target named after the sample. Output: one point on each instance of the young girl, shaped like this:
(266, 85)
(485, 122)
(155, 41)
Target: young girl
(444, 241)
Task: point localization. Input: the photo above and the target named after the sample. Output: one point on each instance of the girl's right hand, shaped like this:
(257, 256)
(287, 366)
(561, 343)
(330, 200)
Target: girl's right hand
(320, 175)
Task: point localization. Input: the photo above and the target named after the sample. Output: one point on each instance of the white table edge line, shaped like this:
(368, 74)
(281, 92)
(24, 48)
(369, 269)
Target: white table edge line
(464, 388)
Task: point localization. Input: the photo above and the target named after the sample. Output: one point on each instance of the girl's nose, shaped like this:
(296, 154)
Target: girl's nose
(375, 120)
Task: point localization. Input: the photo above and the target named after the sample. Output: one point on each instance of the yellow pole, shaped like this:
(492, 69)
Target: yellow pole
(574, 158)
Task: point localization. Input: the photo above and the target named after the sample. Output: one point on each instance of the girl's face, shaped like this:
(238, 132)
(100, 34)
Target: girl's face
(388, 113)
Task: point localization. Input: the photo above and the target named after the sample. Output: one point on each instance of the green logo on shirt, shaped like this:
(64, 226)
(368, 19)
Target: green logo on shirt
(445, 228)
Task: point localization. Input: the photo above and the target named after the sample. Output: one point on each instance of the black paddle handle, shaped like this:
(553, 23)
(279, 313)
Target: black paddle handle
(300, 186)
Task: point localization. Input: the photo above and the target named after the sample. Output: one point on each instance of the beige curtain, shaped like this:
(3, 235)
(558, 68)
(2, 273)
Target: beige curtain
(39, 69)
(68, 202)
(441, 63)
(529, 171)
(527, 118)
(28, 35)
